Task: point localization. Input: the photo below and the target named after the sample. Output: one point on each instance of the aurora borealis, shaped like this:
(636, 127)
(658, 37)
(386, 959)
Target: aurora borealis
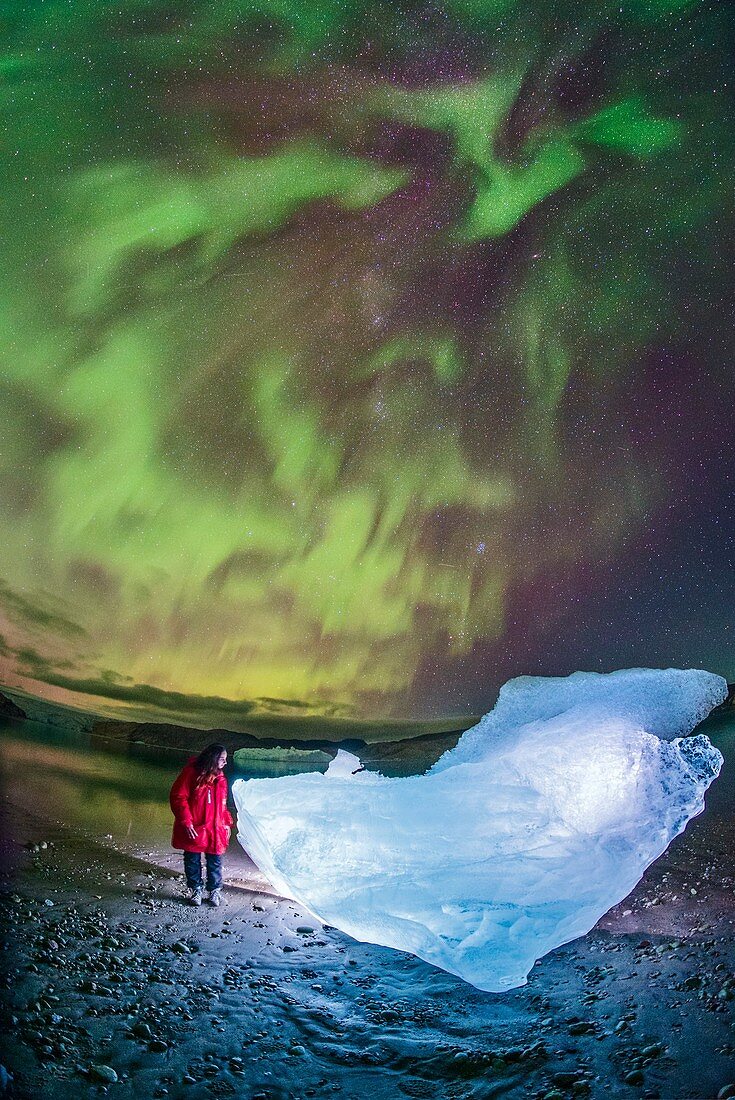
(359, 356)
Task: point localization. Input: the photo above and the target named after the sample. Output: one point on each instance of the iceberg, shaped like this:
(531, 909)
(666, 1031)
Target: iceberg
(517, 840)
(280, 759)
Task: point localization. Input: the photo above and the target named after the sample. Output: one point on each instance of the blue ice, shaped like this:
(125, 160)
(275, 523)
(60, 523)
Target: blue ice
(518, 840)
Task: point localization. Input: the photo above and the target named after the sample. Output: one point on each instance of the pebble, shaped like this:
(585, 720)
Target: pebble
(103, 1073)
(564, 1080)
(581, 1027)
(100, 962)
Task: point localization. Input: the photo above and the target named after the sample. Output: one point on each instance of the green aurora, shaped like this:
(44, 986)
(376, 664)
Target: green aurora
(327, 332)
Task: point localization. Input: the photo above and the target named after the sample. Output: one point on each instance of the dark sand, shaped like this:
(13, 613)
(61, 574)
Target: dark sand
(104, 965)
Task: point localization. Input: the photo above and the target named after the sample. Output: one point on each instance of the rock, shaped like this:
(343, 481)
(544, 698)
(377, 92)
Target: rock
(564, 1080)
(581, 1027)
(635, 1077)
(726, 1092)
(9, 709)
(304, 930)
(103, 1073)
(297, 1050)
(141, 1030)
(157, 1046)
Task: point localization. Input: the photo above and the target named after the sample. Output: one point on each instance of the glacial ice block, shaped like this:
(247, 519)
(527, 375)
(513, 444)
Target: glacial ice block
(541, 818)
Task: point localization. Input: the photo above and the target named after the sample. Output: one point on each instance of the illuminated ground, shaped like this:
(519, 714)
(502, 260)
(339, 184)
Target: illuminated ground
(641, 1007)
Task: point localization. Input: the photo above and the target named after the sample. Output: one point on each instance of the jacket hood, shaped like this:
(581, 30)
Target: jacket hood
(192, 761)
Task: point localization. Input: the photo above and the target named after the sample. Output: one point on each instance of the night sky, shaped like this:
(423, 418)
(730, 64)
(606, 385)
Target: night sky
(358, 357)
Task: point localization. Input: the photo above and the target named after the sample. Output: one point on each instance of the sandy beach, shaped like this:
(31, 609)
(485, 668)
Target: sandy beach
(113, 985)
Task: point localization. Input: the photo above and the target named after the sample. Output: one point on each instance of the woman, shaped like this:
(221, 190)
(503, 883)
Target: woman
(202, 822)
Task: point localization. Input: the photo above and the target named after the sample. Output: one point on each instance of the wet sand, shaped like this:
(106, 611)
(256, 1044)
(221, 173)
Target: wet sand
(106, 971)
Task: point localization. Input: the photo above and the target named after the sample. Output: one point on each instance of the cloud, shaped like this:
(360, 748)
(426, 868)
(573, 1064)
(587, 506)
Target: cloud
(37, 665)
(140, 694)
(322, 709)
(265, 717)
(112, 686)
(109, 676)
(29, 614)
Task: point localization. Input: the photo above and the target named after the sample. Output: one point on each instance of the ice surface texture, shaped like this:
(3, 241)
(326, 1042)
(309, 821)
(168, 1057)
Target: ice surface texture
(542, 817)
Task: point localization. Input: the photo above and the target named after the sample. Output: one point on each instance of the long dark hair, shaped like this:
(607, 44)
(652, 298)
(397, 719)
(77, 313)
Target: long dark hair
(205, 764)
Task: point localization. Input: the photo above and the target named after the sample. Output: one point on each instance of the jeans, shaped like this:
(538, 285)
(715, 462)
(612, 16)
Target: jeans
(193, 870)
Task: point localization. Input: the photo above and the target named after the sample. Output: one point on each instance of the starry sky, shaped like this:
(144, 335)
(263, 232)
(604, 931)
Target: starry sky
(359, 356)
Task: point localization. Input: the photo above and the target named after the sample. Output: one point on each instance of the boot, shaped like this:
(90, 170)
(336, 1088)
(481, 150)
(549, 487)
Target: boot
(215, 897)
(195, 895)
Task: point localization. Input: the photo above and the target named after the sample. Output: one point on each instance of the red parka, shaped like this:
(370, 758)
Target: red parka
(204, 807)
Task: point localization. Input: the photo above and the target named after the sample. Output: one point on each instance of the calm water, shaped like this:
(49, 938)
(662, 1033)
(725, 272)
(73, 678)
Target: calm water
(112, 791)
(63, 778)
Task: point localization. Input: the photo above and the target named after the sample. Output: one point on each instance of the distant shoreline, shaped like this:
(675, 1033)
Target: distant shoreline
(396, 755)
(396, 748)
